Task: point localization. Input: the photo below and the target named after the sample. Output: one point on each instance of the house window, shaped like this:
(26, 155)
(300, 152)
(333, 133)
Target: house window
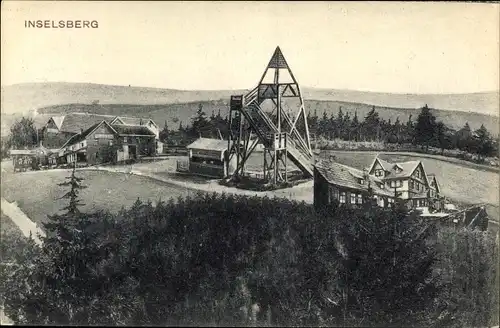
(125, 139)
(362, 181)
(110, 143)
(418, 186)
(393, 184)
(390, 202)
(360, 199)
(82, 144)
(342, 197)
(379, 173)
(353, 198)
(381, 186)
(411, 184)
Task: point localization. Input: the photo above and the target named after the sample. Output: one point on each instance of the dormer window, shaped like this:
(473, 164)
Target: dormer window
(381, 186)
(362, 181)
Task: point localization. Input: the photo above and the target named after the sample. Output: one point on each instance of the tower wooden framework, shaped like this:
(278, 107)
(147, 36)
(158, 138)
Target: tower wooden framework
(284, 135)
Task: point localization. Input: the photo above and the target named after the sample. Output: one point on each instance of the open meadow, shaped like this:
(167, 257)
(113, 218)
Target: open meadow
(38, 194)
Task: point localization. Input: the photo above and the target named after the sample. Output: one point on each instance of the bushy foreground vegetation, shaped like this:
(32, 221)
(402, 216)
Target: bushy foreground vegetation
(230, 260)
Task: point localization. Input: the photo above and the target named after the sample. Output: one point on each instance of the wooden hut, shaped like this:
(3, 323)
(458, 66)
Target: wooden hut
(208, 157)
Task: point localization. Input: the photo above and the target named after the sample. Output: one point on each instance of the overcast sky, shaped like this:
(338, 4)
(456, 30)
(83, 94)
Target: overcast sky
(385, 47)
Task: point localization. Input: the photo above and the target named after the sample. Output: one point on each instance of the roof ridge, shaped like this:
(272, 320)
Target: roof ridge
(132, 117)
(90, 114)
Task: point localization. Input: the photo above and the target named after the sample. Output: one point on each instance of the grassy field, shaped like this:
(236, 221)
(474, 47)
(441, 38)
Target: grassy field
(39, 195)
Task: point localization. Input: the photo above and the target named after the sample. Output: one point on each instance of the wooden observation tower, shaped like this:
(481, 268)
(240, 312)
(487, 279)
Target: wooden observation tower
(273, 115)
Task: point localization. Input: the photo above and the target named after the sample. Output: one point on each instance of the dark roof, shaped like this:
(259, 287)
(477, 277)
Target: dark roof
(82, 136)
(346, 176)
(209, 144)
(141, 130)
(407, 169)
(134, 120)
(76, 122)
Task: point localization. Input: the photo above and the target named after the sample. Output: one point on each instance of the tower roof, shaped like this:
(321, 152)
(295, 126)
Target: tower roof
(277, 60)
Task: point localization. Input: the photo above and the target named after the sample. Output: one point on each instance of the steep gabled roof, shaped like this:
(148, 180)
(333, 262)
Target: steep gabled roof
(432, 177)
(58, 120)
(76, 122)
(131, 120)
(407, 169)
(348, 177)
(116, 120)
(83, 135)
(385, 165)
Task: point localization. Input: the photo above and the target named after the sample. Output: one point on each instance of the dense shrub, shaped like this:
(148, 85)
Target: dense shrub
(233, 260)
(468, 264)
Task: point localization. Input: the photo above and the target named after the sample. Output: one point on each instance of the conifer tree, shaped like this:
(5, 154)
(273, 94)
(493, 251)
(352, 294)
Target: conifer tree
(72, 252)
(425, 128)
(199, 124)
(355, 127)
(483, 143)
(164, 133)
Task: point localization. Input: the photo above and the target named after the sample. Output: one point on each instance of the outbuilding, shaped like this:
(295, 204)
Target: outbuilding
(208, 157)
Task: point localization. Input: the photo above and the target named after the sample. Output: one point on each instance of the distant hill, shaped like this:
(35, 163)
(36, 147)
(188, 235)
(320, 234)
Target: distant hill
(175, 113)
(480, 102)
(173, 105)
(27, 97)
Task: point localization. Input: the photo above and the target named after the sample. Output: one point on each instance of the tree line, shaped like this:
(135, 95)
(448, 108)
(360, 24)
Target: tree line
(425, 131)
(216, 259)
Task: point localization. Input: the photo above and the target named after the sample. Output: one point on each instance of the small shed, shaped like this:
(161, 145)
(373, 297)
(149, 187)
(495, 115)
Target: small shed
(209, 157)
(24, 159)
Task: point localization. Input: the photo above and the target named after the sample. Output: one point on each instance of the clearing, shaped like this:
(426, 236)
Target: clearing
(38, 194)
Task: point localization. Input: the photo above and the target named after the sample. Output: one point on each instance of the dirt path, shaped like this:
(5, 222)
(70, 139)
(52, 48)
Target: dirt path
(21, 220)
